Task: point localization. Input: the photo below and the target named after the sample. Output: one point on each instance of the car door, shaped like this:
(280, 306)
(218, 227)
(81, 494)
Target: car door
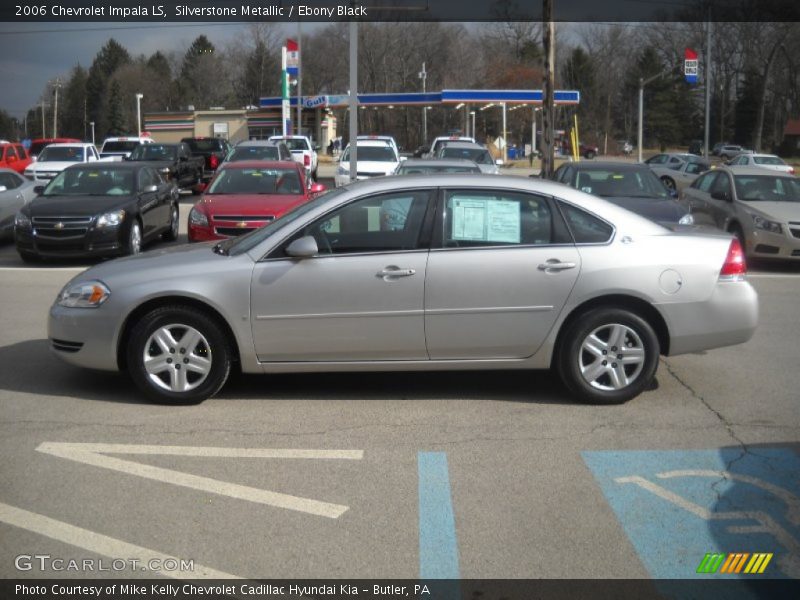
(720, 200)
(361, 297)
(501, 268)
(698, 200)
(149, 203)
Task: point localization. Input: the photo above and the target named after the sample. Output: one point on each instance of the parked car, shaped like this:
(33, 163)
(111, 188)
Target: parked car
(384, 138)
(57, 157)
(359, 279)
(246, 195)
(174, 161)
(119, 148)
(587, 151)
(303, 151)
(760, 207)
(474, 152)
(375, 159)
(15, 192)
(259, 150)
(764, 161)
(718, 146)
(670, 159)
(14, 156)
(438, 143)
(631, 186)
(730, 151)
(212, 150)
(39, 144)
(678, 176)
(98, 209)
(416, 166)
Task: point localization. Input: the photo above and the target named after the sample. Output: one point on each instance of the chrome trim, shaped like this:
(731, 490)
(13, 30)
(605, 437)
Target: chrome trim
(359, 315)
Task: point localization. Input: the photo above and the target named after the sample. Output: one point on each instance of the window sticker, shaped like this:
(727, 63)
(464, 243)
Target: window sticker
(485, 220)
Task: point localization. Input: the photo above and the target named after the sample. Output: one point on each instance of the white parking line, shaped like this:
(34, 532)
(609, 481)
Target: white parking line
(43, 269)
(774, 275)
(103, 544)
(94, 454)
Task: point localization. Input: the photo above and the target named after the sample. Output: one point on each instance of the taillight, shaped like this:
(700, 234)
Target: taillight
(734, 268)
(213, 162)
(791, 170)
(306, 160)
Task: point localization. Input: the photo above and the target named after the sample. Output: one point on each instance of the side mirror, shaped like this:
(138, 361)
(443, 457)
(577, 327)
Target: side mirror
(317, 188)
(304, 247)
(38, 190)
(721, 196)
(149, 189)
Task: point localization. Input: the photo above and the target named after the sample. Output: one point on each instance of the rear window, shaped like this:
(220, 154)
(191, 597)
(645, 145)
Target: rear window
(296, 144)
(62, 154)
(254, 153)
(119, 146)
(768, 160)
(256, 181)
(208, 145)
(585, 227)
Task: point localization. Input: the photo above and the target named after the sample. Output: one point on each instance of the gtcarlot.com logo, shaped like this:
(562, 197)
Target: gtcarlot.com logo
(735, 562)
(46, 562)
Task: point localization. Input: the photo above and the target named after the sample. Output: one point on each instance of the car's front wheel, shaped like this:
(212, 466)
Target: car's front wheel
(178, 355)
(608, 356)
(134, 243)
(171, 234)
(668, 182)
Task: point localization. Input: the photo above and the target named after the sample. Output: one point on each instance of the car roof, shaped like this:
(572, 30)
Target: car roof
(370, 143)
(439, 162)
(258, 143)
(260, 164)
(608, 164)
(70, 145)
(742, 170)
(464, 144)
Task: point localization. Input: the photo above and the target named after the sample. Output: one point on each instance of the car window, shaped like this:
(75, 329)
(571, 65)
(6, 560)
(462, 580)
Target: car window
(693, 168)
(658, 159)
(674, 159)
(479, 156)
(722, 184)
(371, 153)
(383, 223)
(585, 227)
(496, 218)
(10, 152)
(768, 160)
(256, 180)
(9, 180)
(703, 183)
(752, 188)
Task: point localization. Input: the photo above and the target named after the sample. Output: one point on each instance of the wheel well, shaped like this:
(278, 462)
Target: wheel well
(733, 226)
(143, 309)
(631, 303)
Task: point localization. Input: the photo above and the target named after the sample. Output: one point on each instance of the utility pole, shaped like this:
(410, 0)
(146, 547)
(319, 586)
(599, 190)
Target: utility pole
(548, 107)
(353, 102)
(505, 136)
(44, 129)
(285, 114)
(640, 134)
(707, 73)
(299, 127)
(56, 86)
(424, 75)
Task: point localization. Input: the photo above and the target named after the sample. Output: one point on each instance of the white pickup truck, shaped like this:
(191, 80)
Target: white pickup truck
(302, 150)
(57, 157)
(120, 148)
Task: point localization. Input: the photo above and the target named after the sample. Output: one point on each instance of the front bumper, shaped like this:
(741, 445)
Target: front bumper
(85, 337)
(94, 242)
(765, 244)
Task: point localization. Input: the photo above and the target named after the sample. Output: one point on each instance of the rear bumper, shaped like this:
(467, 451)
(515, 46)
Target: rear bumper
(729, 317)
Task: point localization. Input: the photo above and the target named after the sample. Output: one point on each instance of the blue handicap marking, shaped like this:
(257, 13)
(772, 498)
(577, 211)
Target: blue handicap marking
(678, 505)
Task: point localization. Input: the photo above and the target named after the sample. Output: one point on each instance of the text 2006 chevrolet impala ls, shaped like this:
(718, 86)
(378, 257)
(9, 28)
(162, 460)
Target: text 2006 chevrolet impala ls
(416, 273)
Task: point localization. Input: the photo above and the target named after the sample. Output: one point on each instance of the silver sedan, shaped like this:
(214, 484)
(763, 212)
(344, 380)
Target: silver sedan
(442, 272)
(15, 192)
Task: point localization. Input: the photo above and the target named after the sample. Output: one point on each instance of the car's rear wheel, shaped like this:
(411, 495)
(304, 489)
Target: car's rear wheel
(669, 182)
(171, 234)
(178, 355)
(134, 243)
(608, 356)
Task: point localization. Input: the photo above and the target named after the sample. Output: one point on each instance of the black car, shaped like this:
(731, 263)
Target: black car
(174, 161)
(97, 209)
(631, 186)
(211, 149)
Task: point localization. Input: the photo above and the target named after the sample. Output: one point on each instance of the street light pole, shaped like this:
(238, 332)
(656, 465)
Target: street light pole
(707, 73)
(643, 82)
(505, 135)
(56, 86)
(424, 75)
(353, 101)
(472, 114)
(139, 114)
(91, 123)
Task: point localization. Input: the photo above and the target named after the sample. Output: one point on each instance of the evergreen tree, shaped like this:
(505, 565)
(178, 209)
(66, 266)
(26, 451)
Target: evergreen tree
(746, 107)
(116, 121)
(74, 116)
(111, 56)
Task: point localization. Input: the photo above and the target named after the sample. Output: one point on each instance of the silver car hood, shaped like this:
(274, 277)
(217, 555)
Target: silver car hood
(782, 211)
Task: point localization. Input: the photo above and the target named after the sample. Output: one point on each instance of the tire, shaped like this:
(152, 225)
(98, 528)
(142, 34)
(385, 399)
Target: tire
(171, 234)
(596, 329)
(669, 182)
(163, 381)
(133, 245)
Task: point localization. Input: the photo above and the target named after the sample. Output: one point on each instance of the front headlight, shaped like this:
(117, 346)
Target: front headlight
(22, 221)
(686, 219)
(766, 225)
(112, 219)
(197, 218)
(87, 294)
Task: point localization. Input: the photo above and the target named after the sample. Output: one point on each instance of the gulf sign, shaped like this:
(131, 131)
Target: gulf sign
(690, 65)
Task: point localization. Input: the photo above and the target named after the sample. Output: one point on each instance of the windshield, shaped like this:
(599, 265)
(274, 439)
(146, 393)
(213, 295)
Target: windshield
(296, 143)
(408, 170)
(154, 152)
(768, 160)
(119, 146)
(770, 188)
(372, 153)
(267, 180)
(201, 146)
(91, 182)
(476, 155)
(254, 153)
(624, 182)
(62, 154)
(244, 243)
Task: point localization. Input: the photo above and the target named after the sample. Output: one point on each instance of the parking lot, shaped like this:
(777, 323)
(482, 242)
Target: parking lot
(451, 475)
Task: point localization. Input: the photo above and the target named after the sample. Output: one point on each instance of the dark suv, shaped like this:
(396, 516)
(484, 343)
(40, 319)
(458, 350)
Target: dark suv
(212, 150)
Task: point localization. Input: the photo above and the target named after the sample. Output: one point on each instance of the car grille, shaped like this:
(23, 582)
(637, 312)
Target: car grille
(235, 225)
(243, 218)
(794, 228)
(233, 231)
(65, 346)
(59, 228)
(45, 174)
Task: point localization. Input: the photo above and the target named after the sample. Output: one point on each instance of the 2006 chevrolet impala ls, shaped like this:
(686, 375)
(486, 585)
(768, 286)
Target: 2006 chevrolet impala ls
(416, 273)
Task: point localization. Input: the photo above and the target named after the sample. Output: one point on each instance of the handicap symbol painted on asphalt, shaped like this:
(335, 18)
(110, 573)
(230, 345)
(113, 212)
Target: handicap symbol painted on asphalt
(678, 506)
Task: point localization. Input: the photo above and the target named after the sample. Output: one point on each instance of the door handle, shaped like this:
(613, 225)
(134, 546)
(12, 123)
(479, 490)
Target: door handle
(556, 265)
(393, 271)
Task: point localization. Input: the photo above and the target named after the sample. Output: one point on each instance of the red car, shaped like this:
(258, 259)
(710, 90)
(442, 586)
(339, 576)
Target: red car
(14, 156)
(246, 195)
